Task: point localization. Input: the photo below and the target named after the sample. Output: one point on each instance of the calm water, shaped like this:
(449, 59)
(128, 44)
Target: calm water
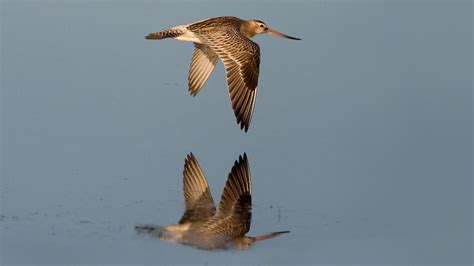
(360, 143)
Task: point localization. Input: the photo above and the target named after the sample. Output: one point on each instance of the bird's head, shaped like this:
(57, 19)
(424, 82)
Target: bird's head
(243, 242)
(253, 27)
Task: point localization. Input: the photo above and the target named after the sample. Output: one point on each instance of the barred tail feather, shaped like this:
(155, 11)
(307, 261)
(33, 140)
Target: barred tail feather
(146, 228)
(170, 33)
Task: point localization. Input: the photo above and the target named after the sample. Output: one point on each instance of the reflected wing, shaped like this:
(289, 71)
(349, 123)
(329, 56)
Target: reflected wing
(241, 58)
(202, 64)
(199, 205)
(234, 215)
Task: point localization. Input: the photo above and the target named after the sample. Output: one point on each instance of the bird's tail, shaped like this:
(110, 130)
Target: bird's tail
(146, 228)
(169, 33)
(270, 235)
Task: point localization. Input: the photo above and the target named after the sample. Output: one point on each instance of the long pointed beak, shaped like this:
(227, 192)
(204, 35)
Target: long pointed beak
(279, 34)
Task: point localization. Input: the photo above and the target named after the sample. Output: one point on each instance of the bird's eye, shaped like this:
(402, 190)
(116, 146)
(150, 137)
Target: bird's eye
(261, 26)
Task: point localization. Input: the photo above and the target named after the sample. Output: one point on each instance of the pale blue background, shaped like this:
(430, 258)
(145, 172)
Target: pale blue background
(361, 142)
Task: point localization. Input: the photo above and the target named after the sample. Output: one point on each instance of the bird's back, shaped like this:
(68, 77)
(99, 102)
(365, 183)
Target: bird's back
(215, 24)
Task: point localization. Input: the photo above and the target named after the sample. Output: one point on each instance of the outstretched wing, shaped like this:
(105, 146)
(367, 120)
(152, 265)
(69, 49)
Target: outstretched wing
(241, 58)
(202, 64)
(234, 215)
(199, 205)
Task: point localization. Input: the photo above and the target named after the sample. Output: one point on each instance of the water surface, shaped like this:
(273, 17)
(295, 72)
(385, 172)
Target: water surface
(361, 141)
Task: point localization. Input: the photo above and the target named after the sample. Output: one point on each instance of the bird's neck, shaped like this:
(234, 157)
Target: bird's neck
(247, 29)
(242, 242)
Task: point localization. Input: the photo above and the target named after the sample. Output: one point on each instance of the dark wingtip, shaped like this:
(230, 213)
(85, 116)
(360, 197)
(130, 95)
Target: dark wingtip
(242, 159)
(189, 158)
(190, 155)
(244, 127)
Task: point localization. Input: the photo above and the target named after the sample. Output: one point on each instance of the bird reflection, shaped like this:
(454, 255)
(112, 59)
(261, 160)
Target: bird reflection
(202, 225)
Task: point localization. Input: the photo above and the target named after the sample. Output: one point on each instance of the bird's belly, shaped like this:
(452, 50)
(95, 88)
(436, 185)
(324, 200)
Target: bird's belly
(203, 241)
(173, 232)
(187, 35)
(189, 38)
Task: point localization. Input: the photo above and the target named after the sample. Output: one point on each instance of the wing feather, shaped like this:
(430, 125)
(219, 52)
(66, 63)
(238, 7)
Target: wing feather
(199, 205)
(203, 62)
(241, 58)
(234, 215)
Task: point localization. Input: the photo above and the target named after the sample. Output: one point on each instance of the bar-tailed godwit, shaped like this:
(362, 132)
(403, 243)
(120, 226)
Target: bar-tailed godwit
(227, 38)
(203, 226)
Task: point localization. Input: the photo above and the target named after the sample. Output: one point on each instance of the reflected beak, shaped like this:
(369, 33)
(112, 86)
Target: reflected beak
(272, 234)
(279, 34)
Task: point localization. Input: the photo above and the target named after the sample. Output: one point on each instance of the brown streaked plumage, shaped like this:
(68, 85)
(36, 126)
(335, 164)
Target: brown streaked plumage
(201, 225)
(227, 38)
(199, 205)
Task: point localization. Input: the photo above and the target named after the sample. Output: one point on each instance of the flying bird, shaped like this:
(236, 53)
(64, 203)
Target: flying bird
(202, 225)
(226, 38)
